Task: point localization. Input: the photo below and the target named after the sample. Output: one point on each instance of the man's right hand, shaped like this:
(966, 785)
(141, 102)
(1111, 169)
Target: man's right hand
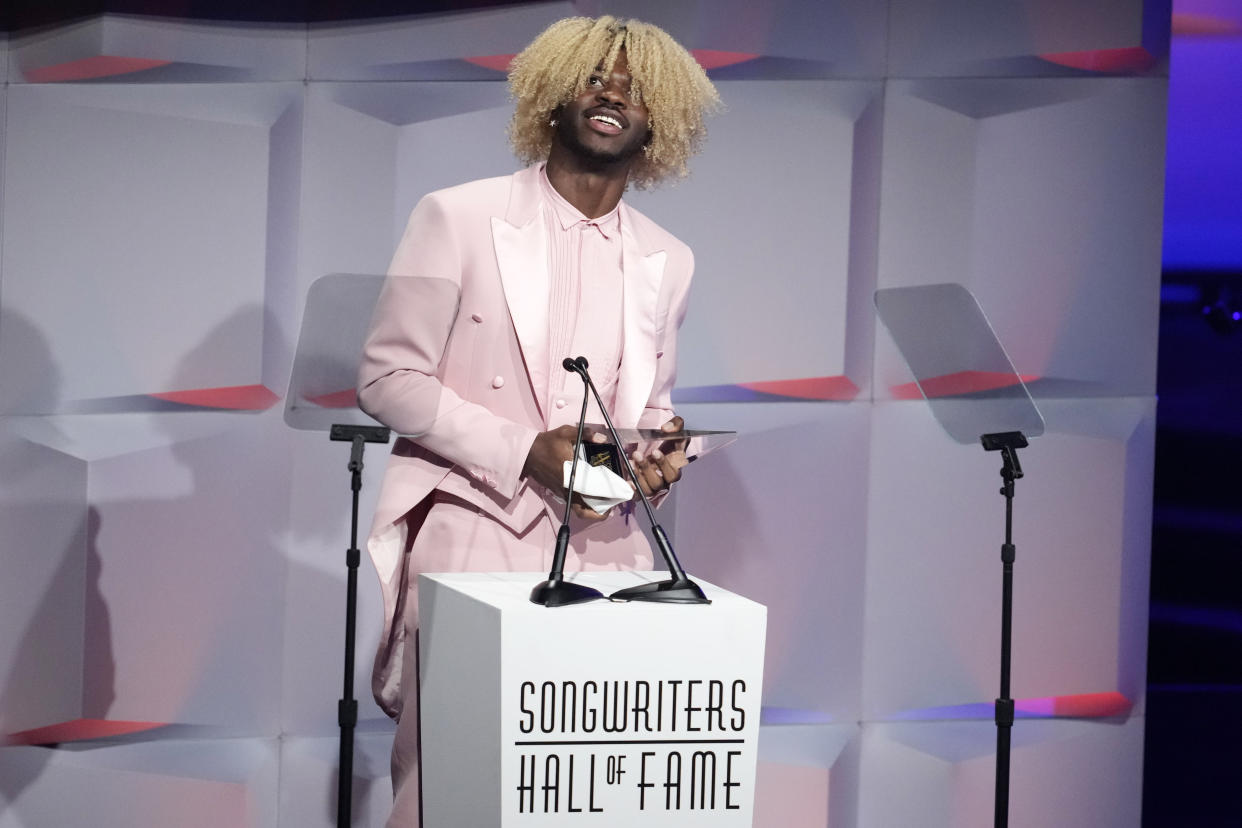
(545, 464)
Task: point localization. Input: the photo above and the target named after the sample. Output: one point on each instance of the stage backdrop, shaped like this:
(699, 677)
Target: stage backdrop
(172, 596)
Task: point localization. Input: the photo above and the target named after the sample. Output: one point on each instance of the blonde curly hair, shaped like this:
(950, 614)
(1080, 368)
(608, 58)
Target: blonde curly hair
(555, 68)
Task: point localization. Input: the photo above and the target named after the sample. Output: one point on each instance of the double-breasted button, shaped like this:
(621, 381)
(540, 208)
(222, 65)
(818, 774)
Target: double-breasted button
(498, 381)
(561, 402)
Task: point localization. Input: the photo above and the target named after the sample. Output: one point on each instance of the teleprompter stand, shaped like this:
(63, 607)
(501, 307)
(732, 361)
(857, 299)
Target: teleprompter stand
(1007, 443)
(347, 707)
(970, 384)
(320, 398)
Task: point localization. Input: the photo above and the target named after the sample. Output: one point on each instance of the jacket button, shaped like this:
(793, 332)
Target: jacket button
(561, 402)
(498, 381)
(477, 317)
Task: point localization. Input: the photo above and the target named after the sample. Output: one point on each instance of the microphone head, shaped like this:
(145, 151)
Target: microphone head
(569, 365)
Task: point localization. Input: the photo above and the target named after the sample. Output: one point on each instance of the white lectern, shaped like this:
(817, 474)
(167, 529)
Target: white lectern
(600, 714)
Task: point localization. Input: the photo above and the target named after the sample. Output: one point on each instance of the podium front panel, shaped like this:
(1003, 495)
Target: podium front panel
(604, 713)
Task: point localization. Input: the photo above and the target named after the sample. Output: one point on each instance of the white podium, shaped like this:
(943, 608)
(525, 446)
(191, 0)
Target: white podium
(600, 714)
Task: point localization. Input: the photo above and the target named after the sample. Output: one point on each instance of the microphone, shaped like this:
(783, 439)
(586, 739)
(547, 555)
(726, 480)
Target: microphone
(678, 589)
(556, 591)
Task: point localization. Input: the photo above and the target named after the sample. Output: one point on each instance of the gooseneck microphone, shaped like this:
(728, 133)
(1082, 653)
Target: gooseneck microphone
(556, 591)
(678, 589)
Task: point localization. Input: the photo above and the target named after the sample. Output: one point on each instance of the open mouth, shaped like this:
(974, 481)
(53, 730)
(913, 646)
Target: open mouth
(606, 121)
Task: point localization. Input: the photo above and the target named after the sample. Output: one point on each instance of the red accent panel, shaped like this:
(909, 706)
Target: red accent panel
(1131, 59)
(809, 388)
(962, 382)
(235, 398)
(337, 399)
(100, 66)
(1081, 706)
(498, 62)
(1203, 25)
(713, 59)
(77, 730)
(1091, 705)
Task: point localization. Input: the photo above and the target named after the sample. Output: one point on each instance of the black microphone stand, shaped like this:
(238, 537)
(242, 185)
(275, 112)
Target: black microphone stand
(556, 591)
(1007, 443)
(678, 589)
(347, 707)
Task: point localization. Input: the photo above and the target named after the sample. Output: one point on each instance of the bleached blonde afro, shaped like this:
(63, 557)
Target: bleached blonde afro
(555, 68)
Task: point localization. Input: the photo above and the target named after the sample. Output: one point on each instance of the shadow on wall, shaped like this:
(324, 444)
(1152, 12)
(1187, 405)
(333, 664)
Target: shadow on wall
(29, 377)
(59, 667)
(170, 583)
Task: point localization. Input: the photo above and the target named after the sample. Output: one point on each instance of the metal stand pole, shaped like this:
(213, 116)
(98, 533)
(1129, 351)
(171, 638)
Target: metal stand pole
(347, 707)
(1007, 444)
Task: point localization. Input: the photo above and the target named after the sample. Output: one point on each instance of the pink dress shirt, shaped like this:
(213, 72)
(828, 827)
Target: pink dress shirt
(584, 305)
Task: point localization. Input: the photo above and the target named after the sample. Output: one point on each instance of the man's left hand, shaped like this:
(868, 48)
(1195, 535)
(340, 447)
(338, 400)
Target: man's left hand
(661, 466)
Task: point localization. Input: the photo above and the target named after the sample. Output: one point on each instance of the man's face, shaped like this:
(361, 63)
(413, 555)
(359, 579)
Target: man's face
(603, 124)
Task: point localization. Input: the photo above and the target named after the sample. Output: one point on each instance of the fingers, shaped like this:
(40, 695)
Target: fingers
(585, 512)
(674, 426)
(545, 462)
(658, 470)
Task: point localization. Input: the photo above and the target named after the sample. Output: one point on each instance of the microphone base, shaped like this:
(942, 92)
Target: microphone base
(563, 593)
(683, 591)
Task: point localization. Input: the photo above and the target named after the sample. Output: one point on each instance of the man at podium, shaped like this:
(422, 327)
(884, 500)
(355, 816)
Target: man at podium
(494, 283)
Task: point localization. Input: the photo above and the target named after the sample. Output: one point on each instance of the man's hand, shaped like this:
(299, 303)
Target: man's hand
(662, 465)
(545, 464)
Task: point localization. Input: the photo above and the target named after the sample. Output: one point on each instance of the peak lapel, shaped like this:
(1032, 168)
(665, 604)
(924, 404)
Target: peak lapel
(644, 273)
(520, 241)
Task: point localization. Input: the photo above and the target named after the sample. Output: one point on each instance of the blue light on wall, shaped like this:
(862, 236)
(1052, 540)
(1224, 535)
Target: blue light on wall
(1203, 187)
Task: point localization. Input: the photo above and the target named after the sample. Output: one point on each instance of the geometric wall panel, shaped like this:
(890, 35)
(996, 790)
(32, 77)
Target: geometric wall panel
(806, 774)
(138, 260)
(428, 47)
(933, 570)
(792, 538)
(791, 795)
(942, 774)
(308, 781)
(770, 297)
(49, 587)
(312, 610)
(197, 784)
(1021, 37)
(137, 50)
(735, 39)
(372, 150)
(1056, 221)
(192, 579)
(838, 39)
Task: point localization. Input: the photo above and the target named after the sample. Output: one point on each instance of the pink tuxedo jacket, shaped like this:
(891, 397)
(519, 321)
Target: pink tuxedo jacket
(457, 360)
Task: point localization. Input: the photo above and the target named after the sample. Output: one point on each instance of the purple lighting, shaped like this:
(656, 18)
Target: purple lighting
(1203, 214)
